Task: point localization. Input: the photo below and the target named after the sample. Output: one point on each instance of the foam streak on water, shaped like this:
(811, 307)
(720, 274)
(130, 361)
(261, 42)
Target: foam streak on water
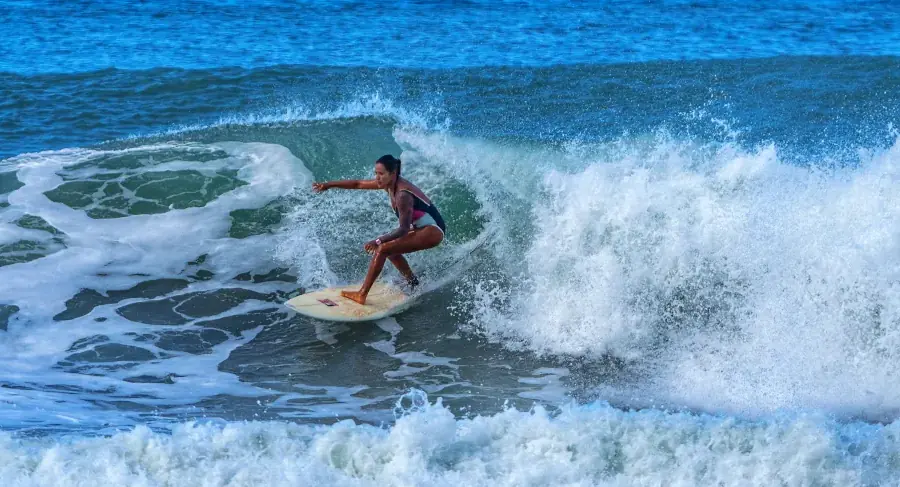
(60, 360)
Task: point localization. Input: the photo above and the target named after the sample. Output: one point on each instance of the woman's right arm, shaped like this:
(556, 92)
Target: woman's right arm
(346, 184)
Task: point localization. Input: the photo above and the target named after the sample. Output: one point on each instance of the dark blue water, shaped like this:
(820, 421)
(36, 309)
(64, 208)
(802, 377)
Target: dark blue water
(88, 36)
(671, 254)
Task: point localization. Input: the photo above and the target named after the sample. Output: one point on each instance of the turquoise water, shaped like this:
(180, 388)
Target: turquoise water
(671, 256)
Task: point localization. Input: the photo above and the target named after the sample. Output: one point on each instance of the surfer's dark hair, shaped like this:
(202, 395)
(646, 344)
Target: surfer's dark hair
(392, 164)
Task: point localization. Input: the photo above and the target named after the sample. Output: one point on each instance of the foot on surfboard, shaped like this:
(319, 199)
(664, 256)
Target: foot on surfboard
(354, 296)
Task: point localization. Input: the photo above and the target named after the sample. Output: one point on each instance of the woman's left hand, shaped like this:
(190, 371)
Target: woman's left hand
(370, 246)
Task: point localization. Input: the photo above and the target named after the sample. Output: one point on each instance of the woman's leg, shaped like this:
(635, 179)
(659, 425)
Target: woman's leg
(420, 239)
(403, 266)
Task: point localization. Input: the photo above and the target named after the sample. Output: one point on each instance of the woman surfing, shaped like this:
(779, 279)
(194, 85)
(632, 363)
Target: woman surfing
(421, 226)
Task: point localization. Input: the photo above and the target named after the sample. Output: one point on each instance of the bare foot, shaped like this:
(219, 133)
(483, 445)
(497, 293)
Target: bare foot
(354, 296)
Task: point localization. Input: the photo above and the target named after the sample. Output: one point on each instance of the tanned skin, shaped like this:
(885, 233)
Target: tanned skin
(403, 240)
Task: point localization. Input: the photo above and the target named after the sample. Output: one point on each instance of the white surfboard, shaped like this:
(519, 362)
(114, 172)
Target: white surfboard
(327, 304)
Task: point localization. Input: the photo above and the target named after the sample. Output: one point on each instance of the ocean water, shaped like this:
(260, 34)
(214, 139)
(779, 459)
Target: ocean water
(671, 258)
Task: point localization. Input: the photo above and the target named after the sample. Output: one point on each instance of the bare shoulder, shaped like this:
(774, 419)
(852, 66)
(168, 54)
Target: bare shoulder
(410, 188)
(403, 198)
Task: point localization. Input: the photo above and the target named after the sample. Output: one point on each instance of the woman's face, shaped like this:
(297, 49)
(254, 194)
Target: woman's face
(384, 178)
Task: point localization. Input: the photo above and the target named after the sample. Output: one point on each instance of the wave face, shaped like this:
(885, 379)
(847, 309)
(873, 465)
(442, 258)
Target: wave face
(712, 276)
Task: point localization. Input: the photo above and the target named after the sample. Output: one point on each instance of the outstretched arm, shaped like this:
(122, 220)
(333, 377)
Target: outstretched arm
(346, 184)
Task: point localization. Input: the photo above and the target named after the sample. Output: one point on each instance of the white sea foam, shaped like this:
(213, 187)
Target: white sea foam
(117, 254)
(363, 105)
(588, 445)
(728, 279)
